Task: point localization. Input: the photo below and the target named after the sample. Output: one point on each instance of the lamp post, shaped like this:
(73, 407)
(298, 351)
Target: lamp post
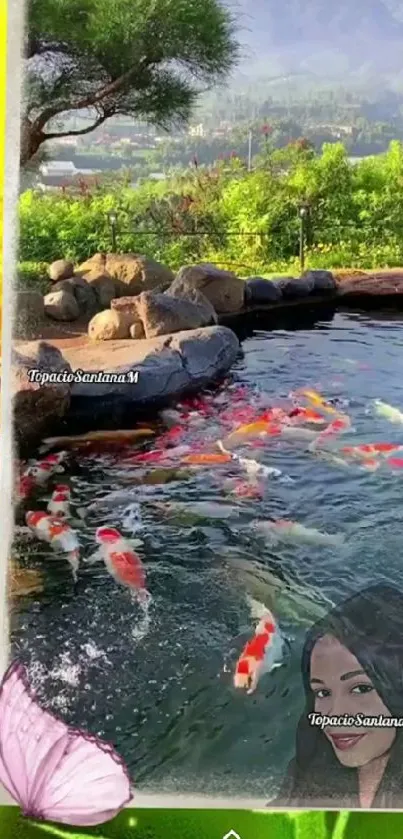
(113, 220)
(303, 213)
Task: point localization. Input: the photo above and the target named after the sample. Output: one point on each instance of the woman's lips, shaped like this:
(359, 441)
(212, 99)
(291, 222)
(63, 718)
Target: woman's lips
(342, 742)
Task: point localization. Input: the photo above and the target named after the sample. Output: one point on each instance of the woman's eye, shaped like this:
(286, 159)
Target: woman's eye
(323, 693)
(362, 689)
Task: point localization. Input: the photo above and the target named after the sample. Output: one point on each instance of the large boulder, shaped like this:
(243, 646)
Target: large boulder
(61, 305)
(109, 325)
(223, 289)
(29, 315)
(323, 281)
(261, 291)
(293, 289)
(161, 314)
(132, 272)
(84, 293)
(37, 405)
(167, 367)
(197, 297)
(61, 269)
(104, 286)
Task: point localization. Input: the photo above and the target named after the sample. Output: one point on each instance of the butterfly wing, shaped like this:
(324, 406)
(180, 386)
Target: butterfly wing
(54, 772)
(90, 785)
(31, 740)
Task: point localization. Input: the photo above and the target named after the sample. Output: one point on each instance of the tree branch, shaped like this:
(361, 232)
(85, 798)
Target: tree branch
(75, 133)
(87, 101)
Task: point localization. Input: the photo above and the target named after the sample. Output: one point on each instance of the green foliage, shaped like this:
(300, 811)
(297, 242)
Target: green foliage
(248, 221)
(33, 275)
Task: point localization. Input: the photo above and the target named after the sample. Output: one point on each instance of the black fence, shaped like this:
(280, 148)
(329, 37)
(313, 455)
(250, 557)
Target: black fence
(299, 242)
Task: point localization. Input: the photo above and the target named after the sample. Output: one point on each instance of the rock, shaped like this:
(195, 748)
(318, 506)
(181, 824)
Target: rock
(137, 331)
(381, 284)
(323, 281)
(61, 305)
(223, 289)
(133, 272)
(61, 269)
(84, 293)
(29, 314)
(192, 360)
(162, 314)
(294, 289)
(102, 283)
(130, 305)
(259, 290)
(109, 325)
(197, 297)
(36, 407)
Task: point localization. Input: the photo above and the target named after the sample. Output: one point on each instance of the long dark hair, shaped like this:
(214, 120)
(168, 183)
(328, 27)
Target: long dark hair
(370, 626)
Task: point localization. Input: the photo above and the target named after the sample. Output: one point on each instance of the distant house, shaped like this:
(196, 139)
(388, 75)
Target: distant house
(56, 174)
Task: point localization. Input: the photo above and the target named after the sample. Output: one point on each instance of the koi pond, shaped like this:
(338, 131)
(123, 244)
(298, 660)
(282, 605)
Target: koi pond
(156, 679)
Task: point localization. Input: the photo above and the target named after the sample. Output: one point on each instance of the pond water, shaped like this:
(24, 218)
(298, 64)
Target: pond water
(160, 686)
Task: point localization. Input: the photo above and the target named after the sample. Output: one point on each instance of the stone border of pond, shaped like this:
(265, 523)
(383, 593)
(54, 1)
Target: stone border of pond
(178, 362)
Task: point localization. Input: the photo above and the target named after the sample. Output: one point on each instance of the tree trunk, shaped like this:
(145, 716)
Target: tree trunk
(31, 140)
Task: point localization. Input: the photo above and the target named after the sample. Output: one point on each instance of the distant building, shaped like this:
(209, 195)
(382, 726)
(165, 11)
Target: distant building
(196, 130)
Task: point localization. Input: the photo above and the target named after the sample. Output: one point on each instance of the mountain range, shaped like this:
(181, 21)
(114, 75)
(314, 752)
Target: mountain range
(320, 35)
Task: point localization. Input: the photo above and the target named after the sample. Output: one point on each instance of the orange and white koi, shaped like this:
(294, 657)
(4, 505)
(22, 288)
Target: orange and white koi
(316, 400)
(306, 415)
(260, 655)
(57, 534)
(59, 504)
(122, 562)
(207, 458)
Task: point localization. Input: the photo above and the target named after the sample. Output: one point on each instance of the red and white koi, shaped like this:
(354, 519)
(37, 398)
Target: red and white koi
(368, 451)
(57, 534)
(59, 504)
(122, 562)
(43, 469)
(260, 655)
(252, 467)
(334, 429)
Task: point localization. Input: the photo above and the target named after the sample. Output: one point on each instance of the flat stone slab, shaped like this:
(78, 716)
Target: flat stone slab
(380, 284)
(167, 366)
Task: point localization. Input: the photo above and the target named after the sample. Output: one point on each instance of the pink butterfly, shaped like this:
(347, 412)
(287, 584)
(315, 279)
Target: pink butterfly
(54, 772)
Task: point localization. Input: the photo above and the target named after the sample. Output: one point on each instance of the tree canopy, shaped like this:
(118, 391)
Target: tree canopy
(149, 59)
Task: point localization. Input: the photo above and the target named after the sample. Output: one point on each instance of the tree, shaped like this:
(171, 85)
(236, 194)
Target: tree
(147, 59)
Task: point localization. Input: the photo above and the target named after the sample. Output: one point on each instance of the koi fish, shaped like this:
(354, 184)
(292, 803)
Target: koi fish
(317, 400)
(292, 531)
(336, 427)
(57, 534)
(43, 469)
(25, 486)
(260, 655)
(122, 562)
(395, 462)
(369, 450)
(59, 504)
(245, 489)
(206, 458)
(306, 415)
(382, 409)
(171, 418)
(251, 428)
(122, 438)
(251, 466)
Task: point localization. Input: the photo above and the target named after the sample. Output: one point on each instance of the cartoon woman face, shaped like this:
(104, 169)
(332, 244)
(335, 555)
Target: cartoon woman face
(340, 686)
